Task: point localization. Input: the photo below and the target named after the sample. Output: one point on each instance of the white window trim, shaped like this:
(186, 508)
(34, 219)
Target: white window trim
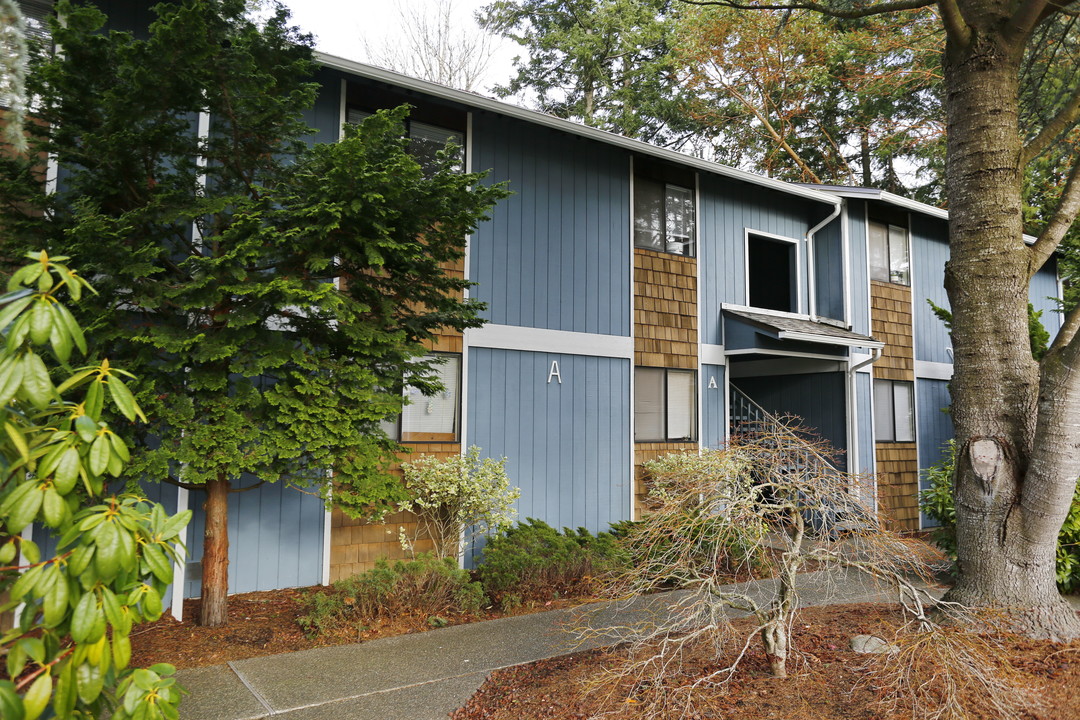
(888, 253)
(892, 406)
(695, 395)
(694, 238)
(799, 284)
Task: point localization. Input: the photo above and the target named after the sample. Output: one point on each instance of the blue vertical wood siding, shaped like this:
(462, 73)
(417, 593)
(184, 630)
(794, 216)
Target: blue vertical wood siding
(324, 118)
(860, 277)
(162, 493)
(935, 427)
(829, 271)
(556, 254)
(275, 539)
(728, 209)
(929, 251)
(567, 445)
(1043, 292)
(713, 406)
(816, 398)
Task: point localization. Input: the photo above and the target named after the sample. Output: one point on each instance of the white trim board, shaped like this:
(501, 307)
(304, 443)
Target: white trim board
(927, 370)
(513, 337)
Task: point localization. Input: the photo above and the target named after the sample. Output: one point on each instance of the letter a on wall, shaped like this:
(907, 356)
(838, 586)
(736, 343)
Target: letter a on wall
(712, 383)
(554, 372)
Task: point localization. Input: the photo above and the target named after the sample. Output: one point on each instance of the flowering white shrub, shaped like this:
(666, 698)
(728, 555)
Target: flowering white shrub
(462, 494)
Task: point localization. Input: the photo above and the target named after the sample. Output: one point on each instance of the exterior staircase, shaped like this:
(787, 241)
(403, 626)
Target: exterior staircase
(842, 510)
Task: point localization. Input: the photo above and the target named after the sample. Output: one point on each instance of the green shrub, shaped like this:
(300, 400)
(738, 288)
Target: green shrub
(937, 502)
(533, 561)
(457, 498)
(426, 587)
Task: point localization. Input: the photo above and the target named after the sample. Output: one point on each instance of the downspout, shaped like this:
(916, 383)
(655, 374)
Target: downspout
(853, 415)
(811, 279)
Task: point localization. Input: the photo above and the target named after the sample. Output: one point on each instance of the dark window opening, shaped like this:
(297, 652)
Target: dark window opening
(425, 141)
(771, 274)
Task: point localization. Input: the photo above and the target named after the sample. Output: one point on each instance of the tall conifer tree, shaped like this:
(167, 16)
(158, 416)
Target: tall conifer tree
(272, 299)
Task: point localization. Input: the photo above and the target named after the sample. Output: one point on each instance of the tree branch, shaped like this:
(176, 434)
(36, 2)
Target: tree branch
(956, 28)
(1060, 222)
(1065, 119)
(824, 9)
(1066, 334)
(1026, 17)
(180, 483)
(253, 487)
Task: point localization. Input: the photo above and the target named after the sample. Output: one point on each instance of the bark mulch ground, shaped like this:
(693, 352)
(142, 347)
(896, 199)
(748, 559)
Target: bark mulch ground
(829, 681)
(265, 623)
(825, 682)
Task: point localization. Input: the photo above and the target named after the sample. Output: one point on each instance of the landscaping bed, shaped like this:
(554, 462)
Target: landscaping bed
(828, 681)
(266, 623)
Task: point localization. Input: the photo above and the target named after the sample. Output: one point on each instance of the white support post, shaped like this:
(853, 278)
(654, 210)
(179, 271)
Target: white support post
(180, 566)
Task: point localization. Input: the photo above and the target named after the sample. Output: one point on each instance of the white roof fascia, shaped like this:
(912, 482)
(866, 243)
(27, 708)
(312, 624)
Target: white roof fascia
(900, 201)
(537, 118)
(829, 339)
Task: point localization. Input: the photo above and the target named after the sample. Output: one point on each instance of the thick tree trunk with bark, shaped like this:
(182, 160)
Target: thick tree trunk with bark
(1016, 462)
(215, 560)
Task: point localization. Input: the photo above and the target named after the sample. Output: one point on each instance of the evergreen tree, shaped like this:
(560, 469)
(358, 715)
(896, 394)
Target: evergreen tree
(272, 299)
(605, 63)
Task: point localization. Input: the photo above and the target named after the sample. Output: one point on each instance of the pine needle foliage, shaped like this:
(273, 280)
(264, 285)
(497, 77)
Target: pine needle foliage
(272, 297)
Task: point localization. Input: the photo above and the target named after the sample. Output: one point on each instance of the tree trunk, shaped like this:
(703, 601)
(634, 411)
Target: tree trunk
(1013, 465)
(215, 559)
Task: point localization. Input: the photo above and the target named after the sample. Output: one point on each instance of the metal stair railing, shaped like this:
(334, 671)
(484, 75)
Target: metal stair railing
(746, 416)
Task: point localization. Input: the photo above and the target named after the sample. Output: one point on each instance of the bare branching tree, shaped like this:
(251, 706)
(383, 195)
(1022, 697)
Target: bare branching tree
(436, 47)
(771, 505)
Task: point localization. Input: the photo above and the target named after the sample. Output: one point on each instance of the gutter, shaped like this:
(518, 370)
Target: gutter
(811, 275)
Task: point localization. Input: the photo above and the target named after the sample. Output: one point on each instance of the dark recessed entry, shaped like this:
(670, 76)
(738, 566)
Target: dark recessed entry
(771, 273)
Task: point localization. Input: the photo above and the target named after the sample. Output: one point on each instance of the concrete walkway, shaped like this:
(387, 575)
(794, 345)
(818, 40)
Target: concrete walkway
(428, 675)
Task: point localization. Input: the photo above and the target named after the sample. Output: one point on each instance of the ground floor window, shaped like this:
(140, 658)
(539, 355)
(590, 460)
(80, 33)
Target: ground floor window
(894, 410)
(665, 405)
(431, 418)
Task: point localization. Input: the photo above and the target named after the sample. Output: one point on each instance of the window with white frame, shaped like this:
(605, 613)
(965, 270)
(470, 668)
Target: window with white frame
(431, 418)
(664, 216)
(425, 141)
(894, 410)
(889, 256)
(665, 405)
(772, 273)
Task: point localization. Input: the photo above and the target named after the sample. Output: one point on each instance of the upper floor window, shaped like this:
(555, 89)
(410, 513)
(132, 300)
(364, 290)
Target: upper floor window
(665, 405)
(894, 411)
(772, 273)
(36, 14)
(889, 258)
(431, 418)
(663, 216)
(425, 141)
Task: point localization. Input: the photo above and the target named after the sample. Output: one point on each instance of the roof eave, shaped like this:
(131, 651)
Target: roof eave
(830, 340)
(538, 118)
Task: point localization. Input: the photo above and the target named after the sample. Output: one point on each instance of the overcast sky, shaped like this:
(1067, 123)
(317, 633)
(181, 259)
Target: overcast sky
(341, 26)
